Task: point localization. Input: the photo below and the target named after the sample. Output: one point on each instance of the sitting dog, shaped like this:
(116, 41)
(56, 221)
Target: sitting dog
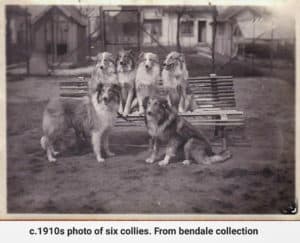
(104, 71)
(175, 82)
(126, 72)
(93, 117)
(164, 124)
(147, 77)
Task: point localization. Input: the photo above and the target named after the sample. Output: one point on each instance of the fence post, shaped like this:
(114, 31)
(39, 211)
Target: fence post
(27, 51)
(138, 29)
(102, 27)
(89, 38)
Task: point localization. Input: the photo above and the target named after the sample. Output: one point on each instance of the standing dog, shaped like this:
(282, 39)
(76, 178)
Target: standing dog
(175, 82)
(164, 124)
(93, 117)
(104, 71)
(126, 72)
(147, 77)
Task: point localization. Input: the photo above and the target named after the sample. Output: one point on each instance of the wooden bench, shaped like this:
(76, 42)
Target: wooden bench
(214, 97)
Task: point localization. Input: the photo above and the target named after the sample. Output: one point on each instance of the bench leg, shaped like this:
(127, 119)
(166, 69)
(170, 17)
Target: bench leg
(217, 128)
(224, 138)
(216, 131)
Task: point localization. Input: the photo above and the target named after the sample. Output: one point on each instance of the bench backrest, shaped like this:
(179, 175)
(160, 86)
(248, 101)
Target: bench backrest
(208, 91)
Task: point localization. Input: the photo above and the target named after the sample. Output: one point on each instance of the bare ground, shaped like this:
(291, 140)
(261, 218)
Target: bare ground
(258, 179)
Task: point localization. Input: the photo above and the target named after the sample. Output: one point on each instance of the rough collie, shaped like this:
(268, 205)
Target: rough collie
(147, 77)
(92, 117)
(126, 72)
(175, 82)
(163, 124)
(104, 71)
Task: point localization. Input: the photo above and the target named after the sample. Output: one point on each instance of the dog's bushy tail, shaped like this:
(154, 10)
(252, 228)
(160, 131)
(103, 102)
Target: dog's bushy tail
(44, 142)
(218, 158)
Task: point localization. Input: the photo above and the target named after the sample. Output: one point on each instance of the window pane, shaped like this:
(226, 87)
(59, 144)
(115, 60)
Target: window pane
(153, 26)
(187, 27)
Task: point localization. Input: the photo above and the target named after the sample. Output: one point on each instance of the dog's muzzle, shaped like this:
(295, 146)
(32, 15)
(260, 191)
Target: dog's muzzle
(105, 100)
(168, 66)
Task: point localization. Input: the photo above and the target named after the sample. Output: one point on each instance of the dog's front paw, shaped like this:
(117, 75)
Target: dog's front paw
(125, 113)
(52, 159)
(100, 159)
(186, 162)
(163, 163)
(141, 112)
(55, 153)
(110, 154)
(149, 160)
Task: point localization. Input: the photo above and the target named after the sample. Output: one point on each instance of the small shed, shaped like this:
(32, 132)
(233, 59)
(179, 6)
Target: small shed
(17, 34)
(59, 35)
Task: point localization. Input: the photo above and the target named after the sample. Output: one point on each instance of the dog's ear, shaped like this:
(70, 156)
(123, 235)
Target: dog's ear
(181, 57)
(164, 104)
(97, 57)
(110, 57)
(99, 91)
(141, 56)
(145, 102)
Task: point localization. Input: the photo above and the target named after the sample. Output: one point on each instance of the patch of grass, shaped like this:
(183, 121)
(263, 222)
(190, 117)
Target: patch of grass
(24, 117)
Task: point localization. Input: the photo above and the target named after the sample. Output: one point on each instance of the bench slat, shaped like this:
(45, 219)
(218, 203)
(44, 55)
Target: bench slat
(214, 97)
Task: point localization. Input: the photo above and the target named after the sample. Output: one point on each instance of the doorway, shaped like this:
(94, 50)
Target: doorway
(201, 31)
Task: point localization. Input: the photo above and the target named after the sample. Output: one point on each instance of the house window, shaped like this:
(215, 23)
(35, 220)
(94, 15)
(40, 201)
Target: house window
(130, 28)
(153, 27)
(187, 28)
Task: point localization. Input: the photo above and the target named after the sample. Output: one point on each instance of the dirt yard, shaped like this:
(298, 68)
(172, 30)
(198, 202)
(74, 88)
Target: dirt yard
(258, 179)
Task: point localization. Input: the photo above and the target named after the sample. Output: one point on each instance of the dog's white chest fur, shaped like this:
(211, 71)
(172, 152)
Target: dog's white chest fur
(126, 77)
(144, 77)
(106, 117)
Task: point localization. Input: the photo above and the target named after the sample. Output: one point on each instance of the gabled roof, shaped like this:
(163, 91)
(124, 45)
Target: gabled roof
(232, 11)
(15, 9)
(37, 12)
(198, 9)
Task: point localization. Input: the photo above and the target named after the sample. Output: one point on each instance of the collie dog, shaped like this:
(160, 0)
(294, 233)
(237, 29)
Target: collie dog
(91, 118)
(147, 77)
(104, 71)
(163, 124)
(175, 82)
(126, 72)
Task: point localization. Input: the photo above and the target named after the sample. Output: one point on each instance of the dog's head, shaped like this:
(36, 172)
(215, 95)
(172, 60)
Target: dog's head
(156, 108)
(125, 61)
(174, 61)
(108, 94)
(105, 62)
(148, 60)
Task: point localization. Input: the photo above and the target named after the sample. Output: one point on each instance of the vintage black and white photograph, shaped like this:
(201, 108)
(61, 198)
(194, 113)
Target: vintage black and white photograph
(150, 109)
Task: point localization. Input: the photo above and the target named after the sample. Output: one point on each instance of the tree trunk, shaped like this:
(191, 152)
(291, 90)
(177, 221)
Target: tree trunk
(178, 33)
(213, 45)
